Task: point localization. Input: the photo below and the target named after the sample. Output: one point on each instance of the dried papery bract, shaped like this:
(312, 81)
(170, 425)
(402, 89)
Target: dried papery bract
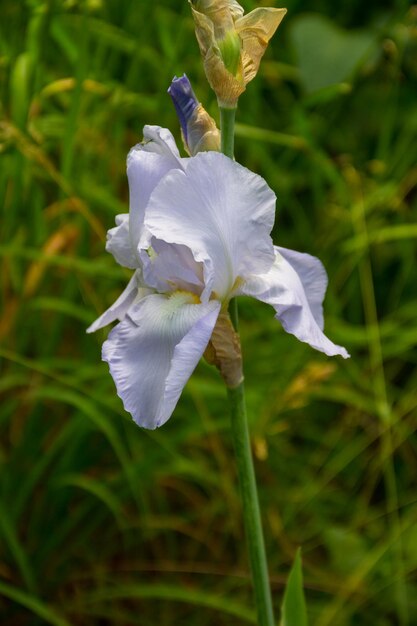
(232, 44)
(224, 351)
(203, 134)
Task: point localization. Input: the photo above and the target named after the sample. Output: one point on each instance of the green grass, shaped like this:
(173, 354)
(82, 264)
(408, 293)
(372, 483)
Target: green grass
(107, 524)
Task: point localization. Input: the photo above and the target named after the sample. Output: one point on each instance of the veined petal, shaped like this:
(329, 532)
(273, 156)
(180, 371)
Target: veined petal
(154, 350)
(147, 163)
(283, 288)
(117, 311)
(222, 212)
(118, 243)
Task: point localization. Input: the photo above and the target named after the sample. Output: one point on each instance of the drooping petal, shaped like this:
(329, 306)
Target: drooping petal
(117, 311)
(313, 277)
(147, 163)
(222, 212)
(154, 350)
(119, 244)
(283, 288)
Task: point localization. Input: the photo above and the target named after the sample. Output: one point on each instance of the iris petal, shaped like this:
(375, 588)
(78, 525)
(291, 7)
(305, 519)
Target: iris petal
(313, 277)
(154, 350)
(283, 288)
(147, 163)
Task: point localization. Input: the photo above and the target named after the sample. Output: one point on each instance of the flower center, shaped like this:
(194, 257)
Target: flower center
(179, 298)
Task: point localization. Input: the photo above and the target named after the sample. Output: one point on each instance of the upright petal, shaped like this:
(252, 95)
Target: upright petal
(283, 288)
(147, 163)
(159, 141)
(222, 212)
(154, 350)
(117, 311)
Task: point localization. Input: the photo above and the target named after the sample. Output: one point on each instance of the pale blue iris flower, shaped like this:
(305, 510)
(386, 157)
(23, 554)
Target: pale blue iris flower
(197, 234)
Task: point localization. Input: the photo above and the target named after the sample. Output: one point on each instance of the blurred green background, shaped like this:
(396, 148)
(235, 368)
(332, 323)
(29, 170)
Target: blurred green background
(102, 523)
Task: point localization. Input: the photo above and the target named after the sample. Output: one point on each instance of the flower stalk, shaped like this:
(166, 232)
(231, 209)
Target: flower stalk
(243, 452)
(227, 126)
(250, 506)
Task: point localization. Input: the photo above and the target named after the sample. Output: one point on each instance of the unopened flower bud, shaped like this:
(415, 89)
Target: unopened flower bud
(198, 128)
(232, 44)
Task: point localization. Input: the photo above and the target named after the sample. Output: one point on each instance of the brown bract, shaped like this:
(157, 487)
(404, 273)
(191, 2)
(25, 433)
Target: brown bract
(224, 351)
(202, 132)
(215, 22)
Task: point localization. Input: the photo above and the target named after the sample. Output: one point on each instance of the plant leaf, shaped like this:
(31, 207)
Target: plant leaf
(294, 610)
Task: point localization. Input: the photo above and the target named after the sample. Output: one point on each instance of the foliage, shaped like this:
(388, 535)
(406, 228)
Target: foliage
(294, 611)
(104, 523)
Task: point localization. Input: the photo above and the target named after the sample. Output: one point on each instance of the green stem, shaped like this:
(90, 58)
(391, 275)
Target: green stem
(243, 452)
(227, 127)
(250, 506)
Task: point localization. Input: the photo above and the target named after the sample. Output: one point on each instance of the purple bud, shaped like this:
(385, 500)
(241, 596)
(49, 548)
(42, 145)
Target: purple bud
(184, 100)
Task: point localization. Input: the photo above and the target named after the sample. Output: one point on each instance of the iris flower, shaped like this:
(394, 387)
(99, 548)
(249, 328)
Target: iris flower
(197, 234)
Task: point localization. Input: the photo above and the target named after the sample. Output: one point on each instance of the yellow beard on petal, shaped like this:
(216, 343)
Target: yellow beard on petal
(181, 297)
